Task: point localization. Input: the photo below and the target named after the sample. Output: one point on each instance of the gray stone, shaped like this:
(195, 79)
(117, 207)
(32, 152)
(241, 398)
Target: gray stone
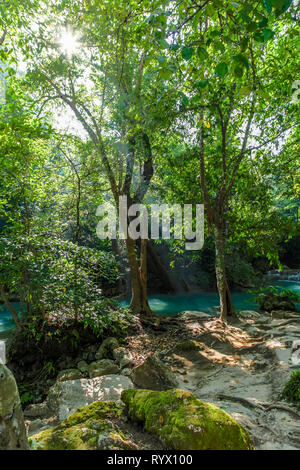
(105, 351)
(154, 375)
(68, 374)
(127, 372)
(66, 397)
(123, 356)
(248, 314)
(103, 367)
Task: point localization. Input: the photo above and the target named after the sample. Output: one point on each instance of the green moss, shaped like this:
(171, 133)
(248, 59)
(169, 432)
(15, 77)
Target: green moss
(82, 429)
(190, 345)
(182, 421)
(291, 391)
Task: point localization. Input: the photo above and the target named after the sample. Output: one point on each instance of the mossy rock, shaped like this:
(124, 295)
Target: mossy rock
(190, 345)
(103, 367)
(89, 428)
(184, 422)
(291, 391)
(106, 348)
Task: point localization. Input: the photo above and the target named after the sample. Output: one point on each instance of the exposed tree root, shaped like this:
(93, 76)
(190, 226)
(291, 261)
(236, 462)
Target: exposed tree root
(262, 406)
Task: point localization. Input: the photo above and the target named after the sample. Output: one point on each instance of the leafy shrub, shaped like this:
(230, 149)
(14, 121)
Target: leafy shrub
(60, 281)
(260, 295)
(291, 391)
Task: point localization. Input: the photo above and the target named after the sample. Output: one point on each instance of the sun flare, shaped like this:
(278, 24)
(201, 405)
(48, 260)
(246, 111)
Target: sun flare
(68, 42)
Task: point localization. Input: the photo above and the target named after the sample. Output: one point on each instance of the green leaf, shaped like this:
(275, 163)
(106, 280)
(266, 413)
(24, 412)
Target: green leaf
(268, 34)
(202, 52)
(161, 59)
(241, 59)
(287, 5)
(187, 52)
(202, 83)
(259, 37)
(184, 99)
(221, 69)
(268, 6)
(245, 90)
(164, 44)
(210, 10)
(251, 27)
(238, 71)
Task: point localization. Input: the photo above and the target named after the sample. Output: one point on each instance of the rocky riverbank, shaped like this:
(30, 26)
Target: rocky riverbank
(241, 367)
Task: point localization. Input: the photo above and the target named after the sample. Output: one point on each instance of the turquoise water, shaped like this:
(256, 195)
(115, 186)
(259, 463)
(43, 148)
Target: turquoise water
(205, 301)
(174, 304)
(6, 322)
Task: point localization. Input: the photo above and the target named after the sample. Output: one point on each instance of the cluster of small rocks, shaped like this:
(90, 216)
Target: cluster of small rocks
(109, 358)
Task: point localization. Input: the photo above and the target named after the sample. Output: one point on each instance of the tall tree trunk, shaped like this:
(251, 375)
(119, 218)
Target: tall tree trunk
(156, 266)
(226, 304)
(139, 299)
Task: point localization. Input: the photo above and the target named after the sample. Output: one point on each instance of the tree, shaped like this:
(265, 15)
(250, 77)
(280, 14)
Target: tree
(225, 92)
(118, 109)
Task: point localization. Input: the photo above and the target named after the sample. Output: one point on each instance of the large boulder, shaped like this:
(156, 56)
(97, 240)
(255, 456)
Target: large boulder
(106, 348)
(103, 367)
(154, 375)
(66, 397)
(90, 428)
(184, 422)
(12, 426)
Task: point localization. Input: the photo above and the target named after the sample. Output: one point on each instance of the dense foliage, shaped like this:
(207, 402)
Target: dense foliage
(160, 102)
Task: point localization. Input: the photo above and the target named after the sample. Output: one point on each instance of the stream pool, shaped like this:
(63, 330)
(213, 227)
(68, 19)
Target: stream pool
(164, 304)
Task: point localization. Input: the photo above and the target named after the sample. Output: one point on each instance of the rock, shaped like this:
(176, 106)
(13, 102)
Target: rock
(154, 375)
(103, 367)
(191, 314)
(66, 397)
(89, 353)
(39, 425)
(89, 428)
(279, 314)
(248, 314)
(66, 363)
(123, 357)
(190, 345)
(114, 442)
(276, 302)
(183, 422)
(37, 410)
(68, 374)
(106, 349)
(12, 425)
(126, 372)
(83, 367)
